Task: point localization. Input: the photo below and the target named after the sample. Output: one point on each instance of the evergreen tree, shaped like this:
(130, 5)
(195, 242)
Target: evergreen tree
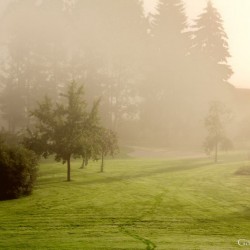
(210, 46)
(170, 30)
(165, 83)
(209, 71)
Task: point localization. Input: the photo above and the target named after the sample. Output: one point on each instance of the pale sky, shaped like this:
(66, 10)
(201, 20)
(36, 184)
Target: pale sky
(236, 16)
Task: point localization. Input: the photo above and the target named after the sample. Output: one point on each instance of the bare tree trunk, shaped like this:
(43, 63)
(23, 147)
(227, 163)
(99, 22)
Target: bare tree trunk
(68, 169)
(216, 153)
(102, 164)
(86, 161)
(83, 163)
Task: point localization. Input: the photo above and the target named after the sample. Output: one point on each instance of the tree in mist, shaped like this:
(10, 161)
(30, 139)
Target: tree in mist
(151, 82)
(171, 43)
(89, 140)
(67, 129)
(49, 43)
(89, 147)
(166, 74)
(60, 126)
(215, 123)
(116, 39)
(169, 31)
(108, 144)
(99, 143)
(210, 46)
(124, 60)
(12, 107)
(32, 34)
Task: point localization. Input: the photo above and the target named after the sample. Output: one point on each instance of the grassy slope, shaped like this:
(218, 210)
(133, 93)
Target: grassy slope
(135, 204)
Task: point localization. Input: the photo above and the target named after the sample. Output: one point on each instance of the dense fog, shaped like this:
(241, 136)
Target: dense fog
(157, 75)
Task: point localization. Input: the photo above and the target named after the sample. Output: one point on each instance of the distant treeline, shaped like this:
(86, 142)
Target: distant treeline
(156, 74)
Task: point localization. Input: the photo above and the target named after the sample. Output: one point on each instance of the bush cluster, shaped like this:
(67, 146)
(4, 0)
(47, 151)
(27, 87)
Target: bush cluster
(18, 170)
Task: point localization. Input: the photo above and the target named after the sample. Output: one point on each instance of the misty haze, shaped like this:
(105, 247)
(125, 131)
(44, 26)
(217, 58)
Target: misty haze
(123, 126)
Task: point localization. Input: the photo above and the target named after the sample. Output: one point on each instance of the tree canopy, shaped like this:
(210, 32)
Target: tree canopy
(153, 73)
(210, 44)
(60, 127)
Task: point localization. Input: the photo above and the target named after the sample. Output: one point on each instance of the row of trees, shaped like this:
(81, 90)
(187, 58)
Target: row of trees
(68, 129)
(153, 73)
(156, 76)
(191, 70)
(64, 129)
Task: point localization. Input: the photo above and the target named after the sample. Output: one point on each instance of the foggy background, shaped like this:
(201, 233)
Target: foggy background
(156, 74)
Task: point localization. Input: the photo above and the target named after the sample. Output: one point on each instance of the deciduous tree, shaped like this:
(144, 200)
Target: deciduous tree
(108, 144)
(60, 126)
(215, 123)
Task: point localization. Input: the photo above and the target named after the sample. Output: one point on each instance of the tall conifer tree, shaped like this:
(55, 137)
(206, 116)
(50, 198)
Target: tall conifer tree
(210, 46)
(166, 77)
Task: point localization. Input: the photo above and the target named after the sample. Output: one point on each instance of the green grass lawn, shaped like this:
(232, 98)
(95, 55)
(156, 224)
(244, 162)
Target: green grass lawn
(135, 204)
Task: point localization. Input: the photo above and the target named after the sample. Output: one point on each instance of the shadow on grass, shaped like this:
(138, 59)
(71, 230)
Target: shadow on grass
(173, 169)
(47, 182)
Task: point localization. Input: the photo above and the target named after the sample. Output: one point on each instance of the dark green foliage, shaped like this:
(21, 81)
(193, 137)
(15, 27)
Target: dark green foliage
(18, 171)
(60, 126)
(108, 144)
(89, 138)
(97, 143)
(69, 130)
(35, 142)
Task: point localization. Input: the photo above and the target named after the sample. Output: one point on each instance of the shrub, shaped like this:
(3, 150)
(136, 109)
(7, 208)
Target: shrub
(18, 168)
(243, 171)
